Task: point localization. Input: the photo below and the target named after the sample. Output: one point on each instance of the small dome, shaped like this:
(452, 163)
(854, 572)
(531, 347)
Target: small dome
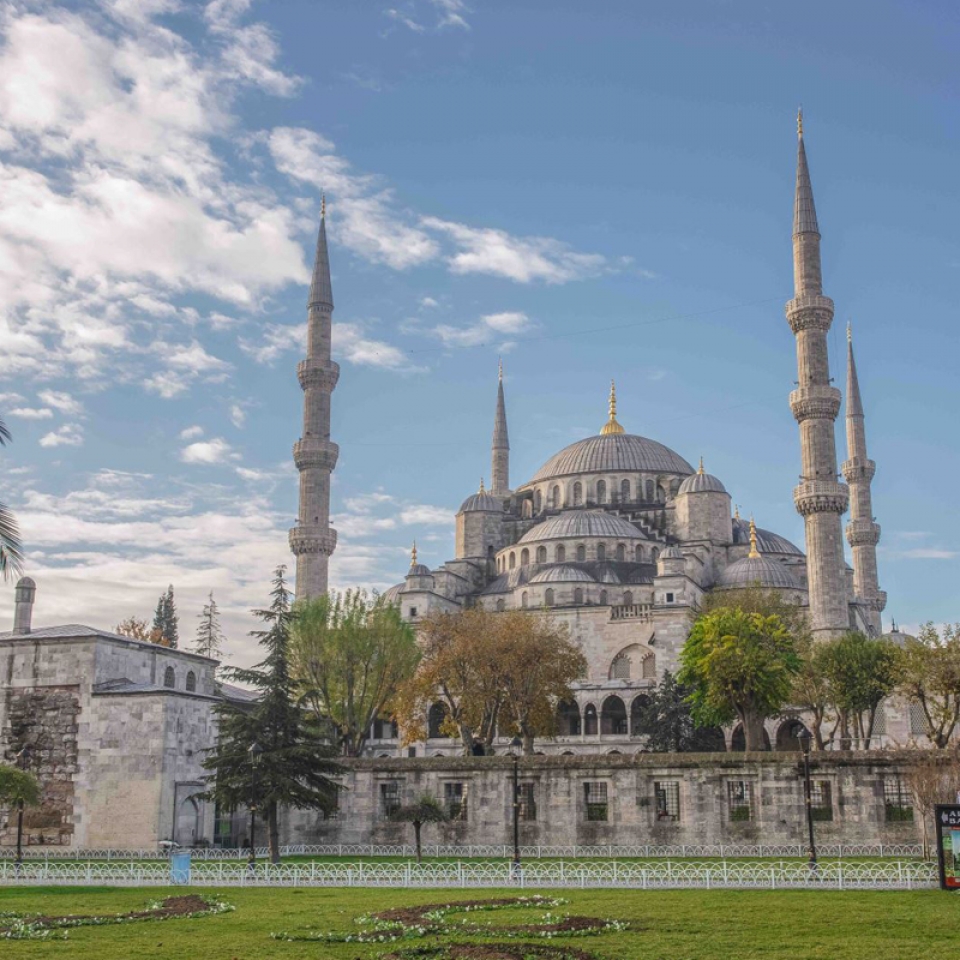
(672, 553)
(562, 573)
(583, 523)
(419, 570)
(609, 576)
(701, 483)
(480, 502)
(392, 596)
(751, 571)
(767, 541)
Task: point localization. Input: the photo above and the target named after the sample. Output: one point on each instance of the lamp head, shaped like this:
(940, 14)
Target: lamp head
(255, 752)
(804, 737)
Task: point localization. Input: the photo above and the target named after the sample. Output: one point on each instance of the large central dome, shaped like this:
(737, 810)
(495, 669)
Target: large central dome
(613, 453)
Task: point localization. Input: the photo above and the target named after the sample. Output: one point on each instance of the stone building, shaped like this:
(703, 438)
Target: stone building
(620, 537)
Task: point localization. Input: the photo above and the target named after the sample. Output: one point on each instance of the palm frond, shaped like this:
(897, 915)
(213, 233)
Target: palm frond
(4, 434)
(11, 548)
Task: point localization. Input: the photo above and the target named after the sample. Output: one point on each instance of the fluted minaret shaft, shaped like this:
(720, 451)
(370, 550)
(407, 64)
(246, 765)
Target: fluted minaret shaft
(312, 540)
(500, 454)
(863, 533)
(820, 498)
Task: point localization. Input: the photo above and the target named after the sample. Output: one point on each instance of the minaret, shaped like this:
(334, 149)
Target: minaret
(312, 540)
(862, 533)
(820, 498)
(500, 455)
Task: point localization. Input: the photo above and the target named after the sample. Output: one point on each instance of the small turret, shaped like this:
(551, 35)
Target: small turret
(23, 605)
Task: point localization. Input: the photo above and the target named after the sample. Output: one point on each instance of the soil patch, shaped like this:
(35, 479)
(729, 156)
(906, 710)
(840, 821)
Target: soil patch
(491, 951)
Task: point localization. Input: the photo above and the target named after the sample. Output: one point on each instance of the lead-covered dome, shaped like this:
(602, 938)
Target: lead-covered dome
(563, 573)
(575, 524)
(613, 453)
(701, 483)
(478, 502)
(751, 571)
(767, 540)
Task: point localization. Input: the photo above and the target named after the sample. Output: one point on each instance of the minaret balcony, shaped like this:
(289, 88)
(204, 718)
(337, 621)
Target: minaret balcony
(810, 311)
(861, 533)
(820, 496)
(311, 452)
(318, 373)
(858, 470)
(817, 402)
(311, 538)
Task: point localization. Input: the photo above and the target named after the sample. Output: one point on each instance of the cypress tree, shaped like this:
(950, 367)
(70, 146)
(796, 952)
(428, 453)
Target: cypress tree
(209, 642)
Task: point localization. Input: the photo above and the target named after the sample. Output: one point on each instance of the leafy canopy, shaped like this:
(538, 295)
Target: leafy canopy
(18, 785)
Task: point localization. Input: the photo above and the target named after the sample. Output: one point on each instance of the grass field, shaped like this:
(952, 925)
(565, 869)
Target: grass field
(668, 925)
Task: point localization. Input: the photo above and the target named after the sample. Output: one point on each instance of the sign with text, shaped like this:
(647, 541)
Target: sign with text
(948, 845)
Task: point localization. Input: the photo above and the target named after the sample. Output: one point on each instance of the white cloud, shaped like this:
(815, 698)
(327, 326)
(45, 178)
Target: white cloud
(428, 302)
(191, 433)
(167, 385)
(61, 401)
(451, 13)
(32, 413)
(213, 451)
(486, 330)
(929, 553)
(69, 435)
(238, 416)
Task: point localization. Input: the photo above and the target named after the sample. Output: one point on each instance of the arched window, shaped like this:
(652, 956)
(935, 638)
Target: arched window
(524, 600)
(649, 667)
(650, 493)
(538, 502)
(561, 553)
(191, 681)
(581, 553)
(636, 713)
(661, 493)
(603, 598)
(625, 491)
(527, 509)
(501, 605)
(578, 494)
(548, 597)
(601, 552)
(638, 554)
(524, 557)
(601, 491)
(613, 717)
(621, 552)
(620, 668)
(513, 560)
(568, 719)
(169, 679)
(578, 596)
(541, 554)
(654, 555)
(555, 498)
(435, 718)
(627, 598)
(590, 720)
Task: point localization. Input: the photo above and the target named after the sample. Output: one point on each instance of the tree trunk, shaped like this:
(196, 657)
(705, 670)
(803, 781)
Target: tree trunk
(273, 822)
(753, 732)
(417, 825)
(844, 730)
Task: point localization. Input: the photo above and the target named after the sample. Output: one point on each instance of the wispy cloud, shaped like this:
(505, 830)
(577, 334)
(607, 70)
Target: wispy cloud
(69, 435)
(32, 413)
(208, 452)
(491, 328)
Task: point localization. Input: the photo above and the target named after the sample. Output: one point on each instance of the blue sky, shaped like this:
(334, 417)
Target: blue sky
(592, 190)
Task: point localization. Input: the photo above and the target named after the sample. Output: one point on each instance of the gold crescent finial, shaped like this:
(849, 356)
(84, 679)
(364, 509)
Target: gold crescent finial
(754, 553)
(800, 121)
(413, 555)
(700, 470)
(736, 512)
(611, 426)
(481, 486)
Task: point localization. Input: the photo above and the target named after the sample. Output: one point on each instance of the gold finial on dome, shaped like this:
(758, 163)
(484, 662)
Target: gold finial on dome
(482, 490)
(754, 553)
(611, 426)
(413, 555)
(700, 468)
(736, 512)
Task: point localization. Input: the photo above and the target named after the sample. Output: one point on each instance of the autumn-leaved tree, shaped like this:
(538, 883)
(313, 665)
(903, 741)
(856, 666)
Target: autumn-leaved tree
(933, 778)
(493, 673)
(295, 767)
(928, 674)
(739, 665)
(349, 655)
(136, 629)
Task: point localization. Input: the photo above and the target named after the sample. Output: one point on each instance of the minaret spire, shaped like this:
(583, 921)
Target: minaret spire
(612, 426)
(863, 533)
(313, 540)
(500, 453)
(820, 498)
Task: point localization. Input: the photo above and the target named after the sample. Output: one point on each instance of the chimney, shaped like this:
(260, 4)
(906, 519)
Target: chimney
(23, 610)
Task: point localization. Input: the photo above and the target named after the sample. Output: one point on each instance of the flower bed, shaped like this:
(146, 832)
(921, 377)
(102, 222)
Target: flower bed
(491, 951)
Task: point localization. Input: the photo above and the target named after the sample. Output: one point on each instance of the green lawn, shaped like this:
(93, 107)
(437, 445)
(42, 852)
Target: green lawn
(668, 925)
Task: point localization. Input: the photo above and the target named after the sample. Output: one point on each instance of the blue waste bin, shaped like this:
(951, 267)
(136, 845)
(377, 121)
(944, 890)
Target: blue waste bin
(180, 868)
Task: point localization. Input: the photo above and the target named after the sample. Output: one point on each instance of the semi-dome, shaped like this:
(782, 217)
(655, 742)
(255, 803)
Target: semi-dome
(767, 540)
(613, 453)
(562, 573)
(751, 571)
(575, 524)
(392, 596)
(701, 482)
(482, 501)
(672, 553)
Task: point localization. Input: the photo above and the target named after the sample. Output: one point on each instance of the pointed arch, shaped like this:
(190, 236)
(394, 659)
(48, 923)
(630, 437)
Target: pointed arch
(601, 491)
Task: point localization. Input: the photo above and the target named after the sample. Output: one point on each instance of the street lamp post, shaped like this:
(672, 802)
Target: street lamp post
(516, 743)
(255, 752)
(23, 758)
(804, 737)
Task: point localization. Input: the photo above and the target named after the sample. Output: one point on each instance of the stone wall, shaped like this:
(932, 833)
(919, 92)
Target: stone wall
(718, 798)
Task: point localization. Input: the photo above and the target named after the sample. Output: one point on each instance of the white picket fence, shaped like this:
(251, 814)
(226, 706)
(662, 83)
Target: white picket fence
(606, 851)
(668, 874)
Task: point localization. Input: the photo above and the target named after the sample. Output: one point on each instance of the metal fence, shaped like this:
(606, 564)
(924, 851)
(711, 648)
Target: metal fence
(606, 851)
(838, 875)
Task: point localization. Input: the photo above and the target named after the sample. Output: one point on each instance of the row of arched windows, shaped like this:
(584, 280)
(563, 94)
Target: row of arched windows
(550, 598)
(170, 679)
(647, 491)
(621, 553)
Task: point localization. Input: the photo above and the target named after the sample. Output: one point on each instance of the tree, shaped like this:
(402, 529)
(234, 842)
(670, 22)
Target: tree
(18, 786)
(738, 665)
(493, 673)
(136, 629)
(166, 628)
(665, 719)
(928, 674)
(933, 778)
(295, 767)
(425, 810)
(11, 547)
(349, 655)
(860, 674)
(813, 692)
(209, 641)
